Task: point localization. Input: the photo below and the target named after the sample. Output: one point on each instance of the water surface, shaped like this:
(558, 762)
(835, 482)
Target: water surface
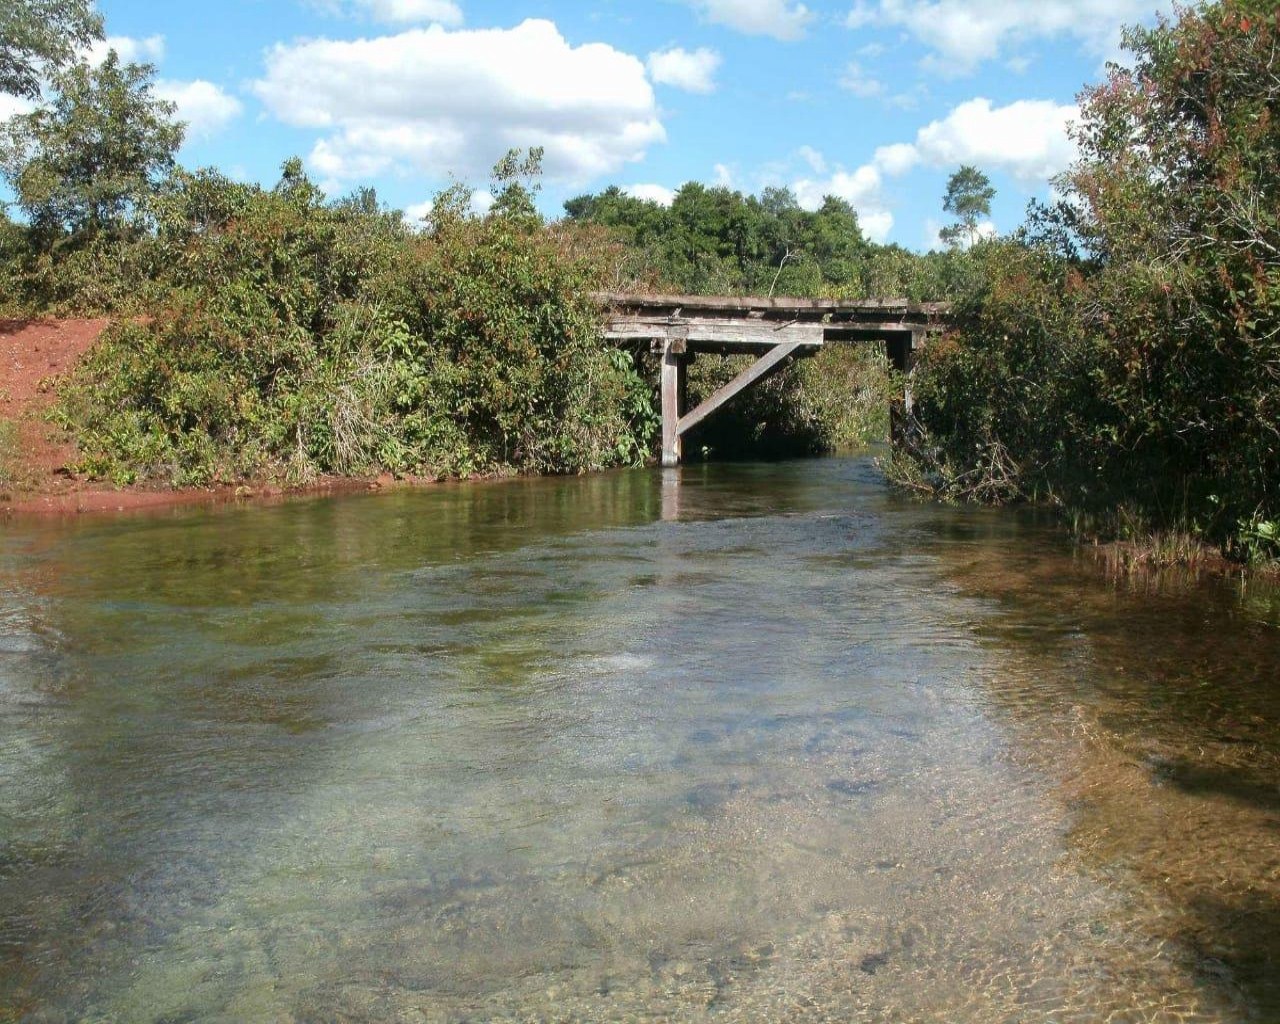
(733, 743)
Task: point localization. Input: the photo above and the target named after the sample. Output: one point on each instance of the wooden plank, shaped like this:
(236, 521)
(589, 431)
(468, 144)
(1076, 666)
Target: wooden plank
(727, 330)
(775, 304)
(761, 368)
(673, 371)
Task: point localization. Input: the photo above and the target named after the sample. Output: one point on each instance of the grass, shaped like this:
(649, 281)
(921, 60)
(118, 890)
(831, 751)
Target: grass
(11, 469)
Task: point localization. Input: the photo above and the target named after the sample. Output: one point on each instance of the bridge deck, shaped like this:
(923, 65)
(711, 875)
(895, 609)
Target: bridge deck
(746, 323)
(776, 329)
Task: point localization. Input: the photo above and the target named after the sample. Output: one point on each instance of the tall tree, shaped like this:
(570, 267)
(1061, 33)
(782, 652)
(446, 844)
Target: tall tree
(968, 198)
(89, 160)
(38, 37)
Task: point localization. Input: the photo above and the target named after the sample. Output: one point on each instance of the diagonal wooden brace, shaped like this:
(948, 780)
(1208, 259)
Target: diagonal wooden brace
(758, 370)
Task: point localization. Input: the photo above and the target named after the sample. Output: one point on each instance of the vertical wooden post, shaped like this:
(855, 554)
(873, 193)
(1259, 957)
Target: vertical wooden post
(917, 343)
(673, 372)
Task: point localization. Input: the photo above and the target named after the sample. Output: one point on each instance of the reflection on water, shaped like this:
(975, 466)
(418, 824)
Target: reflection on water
(773, 745)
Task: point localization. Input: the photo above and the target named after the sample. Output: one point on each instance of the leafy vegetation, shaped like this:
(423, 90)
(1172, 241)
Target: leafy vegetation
(717, 241)
(303, 337)
(968, 198)
(1123, 358)
(40, 36)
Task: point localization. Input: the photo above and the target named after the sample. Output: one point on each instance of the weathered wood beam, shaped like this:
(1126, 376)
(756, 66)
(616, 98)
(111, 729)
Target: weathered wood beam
(780, 304)
(761, 368)
(720, 331)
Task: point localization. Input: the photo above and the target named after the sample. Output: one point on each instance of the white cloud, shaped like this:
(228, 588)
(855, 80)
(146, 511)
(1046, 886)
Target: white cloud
(858, 82)
(693, 71)
(724, 176)
(897, 158)
(964, 33)
(781, 19)
(861, 188)
(207, 108)
(130, 51)
(659, 194)
(1028, 138)
(437, 101)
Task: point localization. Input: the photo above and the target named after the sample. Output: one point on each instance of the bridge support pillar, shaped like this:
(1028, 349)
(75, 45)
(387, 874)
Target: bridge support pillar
(902, 353)
(674, 369)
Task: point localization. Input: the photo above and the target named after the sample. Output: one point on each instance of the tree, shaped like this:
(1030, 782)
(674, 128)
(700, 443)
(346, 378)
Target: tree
(41, 36)
(88, 162)
(968, 198)
(516, 183)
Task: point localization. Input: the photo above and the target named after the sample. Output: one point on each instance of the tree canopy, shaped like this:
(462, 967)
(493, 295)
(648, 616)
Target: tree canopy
(38, 37)
(1126, 359)
(714, 239)
(88, 160)
(968, 198)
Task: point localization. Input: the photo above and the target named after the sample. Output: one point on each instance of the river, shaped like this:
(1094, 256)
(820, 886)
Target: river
(769, 744)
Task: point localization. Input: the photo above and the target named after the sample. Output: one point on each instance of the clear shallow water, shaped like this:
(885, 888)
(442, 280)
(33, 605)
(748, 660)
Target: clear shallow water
(771, 745)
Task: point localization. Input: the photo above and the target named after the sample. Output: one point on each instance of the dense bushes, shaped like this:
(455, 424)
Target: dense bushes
(300, 337)
(1125, 360)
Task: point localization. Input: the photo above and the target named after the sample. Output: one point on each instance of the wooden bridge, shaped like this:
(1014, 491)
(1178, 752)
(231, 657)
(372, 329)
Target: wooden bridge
(774, 329)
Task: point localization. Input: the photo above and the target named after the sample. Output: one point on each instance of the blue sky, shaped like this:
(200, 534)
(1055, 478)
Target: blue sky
(874, 100)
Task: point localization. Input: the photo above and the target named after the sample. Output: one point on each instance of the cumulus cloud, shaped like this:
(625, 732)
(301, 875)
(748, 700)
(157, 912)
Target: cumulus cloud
(693, 71)
(415, 214)
(964, 33)
(897, 158)
(862, 188)
(659, 194)
(437, 101)
(205, 107)
(1028, 138)
(781, 19)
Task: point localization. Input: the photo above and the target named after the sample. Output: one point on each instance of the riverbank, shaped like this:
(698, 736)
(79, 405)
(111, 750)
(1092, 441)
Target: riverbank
(38, 459)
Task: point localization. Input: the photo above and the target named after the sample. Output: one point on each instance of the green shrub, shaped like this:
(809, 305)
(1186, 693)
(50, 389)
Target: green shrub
(1138, 385)
(302, 338)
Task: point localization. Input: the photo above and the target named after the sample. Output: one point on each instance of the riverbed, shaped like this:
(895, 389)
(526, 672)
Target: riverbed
(760, 742)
